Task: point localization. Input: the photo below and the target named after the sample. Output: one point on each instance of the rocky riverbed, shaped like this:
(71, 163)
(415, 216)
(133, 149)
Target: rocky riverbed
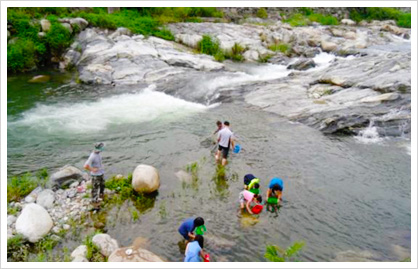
(365, 84)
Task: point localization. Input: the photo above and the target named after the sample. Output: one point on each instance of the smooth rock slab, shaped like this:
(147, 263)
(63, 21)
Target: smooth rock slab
(380, 98)
(34, 222)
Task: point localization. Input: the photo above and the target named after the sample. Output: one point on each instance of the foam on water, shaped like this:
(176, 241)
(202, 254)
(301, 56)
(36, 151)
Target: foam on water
(369, 135)
(147, 105)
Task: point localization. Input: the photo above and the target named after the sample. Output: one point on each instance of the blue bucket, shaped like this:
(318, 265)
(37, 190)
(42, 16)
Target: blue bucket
(237, 148)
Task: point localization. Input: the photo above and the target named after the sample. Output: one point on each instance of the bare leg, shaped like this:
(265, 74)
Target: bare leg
(224, 161)
(217, 155)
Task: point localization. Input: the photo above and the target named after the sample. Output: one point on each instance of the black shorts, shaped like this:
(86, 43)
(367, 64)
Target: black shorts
(224, 150)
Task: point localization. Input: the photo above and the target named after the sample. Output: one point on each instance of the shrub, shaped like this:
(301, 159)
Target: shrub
(164, 33)
(17, 248)
(324, 20)
(236, 53)
(208, 46)
(282, 47)
(298, 20)
(58, 39)
(306, 11)
(21, 55)
(262, 13)
(381, 13)
(404, 20)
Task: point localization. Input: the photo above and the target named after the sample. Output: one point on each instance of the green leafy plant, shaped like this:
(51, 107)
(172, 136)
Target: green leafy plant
(19, 187)
(277, 254)
(403, 19)
(17, 248)
(58, 39)
(208, 45)
(284, 48)
(235, 53)
(93, 251)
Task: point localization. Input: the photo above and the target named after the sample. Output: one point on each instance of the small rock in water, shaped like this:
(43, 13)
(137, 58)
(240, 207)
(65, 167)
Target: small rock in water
(40, 79)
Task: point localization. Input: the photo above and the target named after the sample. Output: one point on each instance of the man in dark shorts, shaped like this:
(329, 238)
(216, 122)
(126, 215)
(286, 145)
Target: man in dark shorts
(94, 165)
(225, 141)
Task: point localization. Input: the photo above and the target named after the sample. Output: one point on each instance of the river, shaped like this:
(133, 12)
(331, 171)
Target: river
(341, 193)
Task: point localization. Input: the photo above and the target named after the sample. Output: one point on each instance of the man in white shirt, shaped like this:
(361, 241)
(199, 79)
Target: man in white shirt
(225, 141)
(94, 165)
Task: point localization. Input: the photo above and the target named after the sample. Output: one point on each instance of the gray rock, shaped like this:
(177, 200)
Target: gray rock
(302, 64)
(67, 175)
(80, 251)
(56, 230)
(105, 243)
(34, 222)
(348, 22)
(70, 59)
(66, 227)
(328, 46)
(10, 220)
(120, 31)
(381, 98)
(82, 23)
(46, 198)
(80, 259)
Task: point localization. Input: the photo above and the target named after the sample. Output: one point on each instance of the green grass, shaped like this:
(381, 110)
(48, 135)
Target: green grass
(308, 17)
(19, 187)
(381, 13)
(264, 59)
(277, 254)
(282, 47)
(17, 248)
(93, 251)
(209, 45)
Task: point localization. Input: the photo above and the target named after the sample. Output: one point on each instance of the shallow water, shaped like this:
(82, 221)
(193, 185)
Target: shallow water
(340, 194)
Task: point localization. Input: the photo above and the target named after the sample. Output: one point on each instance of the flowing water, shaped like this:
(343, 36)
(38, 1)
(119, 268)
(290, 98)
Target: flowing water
(340, 193)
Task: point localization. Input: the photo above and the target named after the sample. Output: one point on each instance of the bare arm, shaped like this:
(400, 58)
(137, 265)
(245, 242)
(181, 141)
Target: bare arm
(191, 235)
(202, 254)
(92, 169)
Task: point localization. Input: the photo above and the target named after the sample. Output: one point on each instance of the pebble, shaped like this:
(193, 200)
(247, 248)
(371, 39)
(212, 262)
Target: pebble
(66, 227)
(74, 184)
(10, 220)
(55, 229)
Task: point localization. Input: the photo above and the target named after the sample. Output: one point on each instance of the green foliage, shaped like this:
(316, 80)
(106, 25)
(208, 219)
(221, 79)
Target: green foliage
(21, 55)
(19, 187)
(17, 248)
(381, 13)
(277, 254)
(163, 211)
(164, 33)
(323, 19)
(298, 20)
(306, 11)
(58, 39)
(208, 45)
(122, 186)
(134, 213)
(93, 251)
(282, 47)
(264, 59)
(262, 13)
(308, 17)
(406, 260)
(235, 53)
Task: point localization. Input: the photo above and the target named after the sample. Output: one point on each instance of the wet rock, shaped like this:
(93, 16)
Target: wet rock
(34, 222)
(46, 198)
(45, 25)
(105, 243)
(67, 175)
(302, 64)
(131, 254)
(80, 251)
(70, 59)
(251, 55)
(40, 79)
(145, 178)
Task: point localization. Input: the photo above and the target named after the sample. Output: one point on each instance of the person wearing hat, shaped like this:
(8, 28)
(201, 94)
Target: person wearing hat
(225, 140)
(274, 192)
(94, 165)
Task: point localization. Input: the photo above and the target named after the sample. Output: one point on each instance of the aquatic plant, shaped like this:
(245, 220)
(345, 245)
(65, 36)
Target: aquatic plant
(278, 254)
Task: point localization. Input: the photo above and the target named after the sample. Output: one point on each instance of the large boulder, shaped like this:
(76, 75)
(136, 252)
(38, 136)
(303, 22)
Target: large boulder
(46, 198)
(67, 175)
(132, 254)
(34, 222)
(68, 26)
(105, 243)
(46, 25)
(145, 178)
(70, 59)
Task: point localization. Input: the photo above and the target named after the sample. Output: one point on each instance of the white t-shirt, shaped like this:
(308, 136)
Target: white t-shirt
(225, 134)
